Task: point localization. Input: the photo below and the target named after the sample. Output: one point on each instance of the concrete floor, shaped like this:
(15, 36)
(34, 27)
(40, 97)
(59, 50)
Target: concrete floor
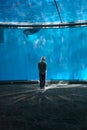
(57, 107)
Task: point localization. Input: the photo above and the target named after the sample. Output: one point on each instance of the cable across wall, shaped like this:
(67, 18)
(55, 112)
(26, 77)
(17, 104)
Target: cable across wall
(56, 4)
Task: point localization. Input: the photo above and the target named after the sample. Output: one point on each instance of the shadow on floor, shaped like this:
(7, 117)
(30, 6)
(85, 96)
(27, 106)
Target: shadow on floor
(57, 107)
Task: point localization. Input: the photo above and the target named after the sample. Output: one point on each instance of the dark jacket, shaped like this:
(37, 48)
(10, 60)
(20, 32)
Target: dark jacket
(42, 67)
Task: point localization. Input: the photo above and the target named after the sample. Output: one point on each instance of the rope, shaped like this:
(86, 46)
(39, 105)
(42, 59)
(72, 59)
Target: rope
(58, 10)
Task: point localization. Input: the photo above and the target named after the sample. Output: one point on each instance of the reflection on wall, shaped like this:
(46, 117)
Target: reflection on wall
(1, 36)
(31, 31)
(65, 51)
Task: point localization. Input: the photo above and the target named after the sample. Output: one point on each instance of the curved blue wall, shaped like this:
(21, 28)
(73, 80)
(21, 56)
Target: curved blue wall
(65, 51)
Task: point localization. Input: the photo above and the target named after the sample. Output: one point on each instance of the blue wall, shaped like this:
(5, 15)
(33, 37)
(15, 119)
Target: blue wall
(65, 51)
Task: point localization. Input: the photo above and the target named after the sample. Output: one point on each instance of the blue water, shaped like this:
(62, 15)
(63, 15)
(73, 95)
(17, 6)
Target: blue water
(28, 11)
(65, 49)
(42, 10)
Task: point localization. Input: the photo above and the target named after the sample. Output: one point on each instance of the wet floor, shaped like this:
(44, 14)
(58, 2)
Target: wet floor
(57, 107)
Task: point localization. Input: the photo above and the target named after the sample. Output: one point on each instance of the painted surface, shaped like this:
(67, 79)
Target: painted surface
(21, 49)
(65, 51)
